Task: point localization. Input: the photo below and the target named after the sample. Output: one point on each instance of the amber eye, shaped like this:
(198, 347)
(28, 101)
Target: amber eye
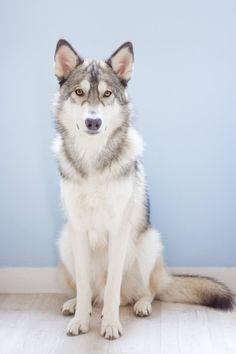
(79, 92)
(107, 93)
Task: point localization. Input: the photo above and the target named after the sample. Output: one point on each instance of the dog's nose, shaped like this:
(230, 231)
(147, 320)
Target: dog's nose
(93, 124)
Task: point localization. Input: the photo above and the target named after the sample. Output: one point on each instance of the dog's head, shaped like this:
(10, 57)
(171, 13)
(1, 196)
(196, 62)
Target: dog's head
(92, 97)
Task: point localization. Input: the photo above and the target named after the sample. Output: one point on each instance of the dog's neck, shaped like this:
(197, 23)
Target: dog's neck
(95, 153)
(114, 155)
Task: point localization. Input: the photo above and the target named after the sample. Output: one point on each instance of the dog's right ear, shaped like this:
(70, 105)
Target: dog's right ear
(66, 59)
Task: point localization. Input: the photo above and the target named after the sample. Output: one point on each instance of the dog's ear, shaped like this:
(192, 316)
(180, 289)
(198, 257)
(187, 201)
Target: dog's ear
(66, 59)
(122, 60)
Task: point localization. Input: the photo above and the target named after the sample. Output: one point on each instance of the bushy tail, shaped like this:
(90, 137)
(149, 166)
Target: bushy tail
(193, 289)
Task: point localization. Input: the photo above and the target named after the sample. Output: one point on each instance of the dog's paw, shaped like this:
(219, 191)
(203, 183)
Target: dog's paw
(68, 307)
(142, 308)
(76, 326)
(111, 329)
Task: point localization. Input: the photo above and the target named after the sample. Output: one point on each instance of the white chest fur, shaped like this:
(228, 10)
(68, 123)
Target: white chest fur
(97, 204)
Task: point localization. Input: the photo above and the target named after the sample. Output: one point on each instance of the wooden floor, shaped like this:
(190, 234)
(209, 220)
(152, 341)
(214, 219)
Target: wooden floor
(33, 324)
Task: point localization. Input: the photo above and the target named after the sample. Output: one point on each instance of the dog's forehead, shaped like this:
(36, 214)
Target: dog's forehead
(98, 71)
(92, 71)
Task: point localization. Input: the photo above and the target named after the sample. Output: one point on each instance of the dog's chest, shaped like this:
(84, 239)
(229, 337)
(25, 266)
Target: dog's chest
(97, 204)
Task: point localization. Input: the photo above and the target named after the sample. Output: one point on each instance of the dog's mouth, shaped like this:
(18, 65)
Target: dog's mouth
(90, 132)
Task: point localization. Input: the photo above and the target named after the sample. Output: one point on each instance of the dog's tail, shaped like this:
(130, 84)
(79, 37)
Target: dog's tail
(193, 289)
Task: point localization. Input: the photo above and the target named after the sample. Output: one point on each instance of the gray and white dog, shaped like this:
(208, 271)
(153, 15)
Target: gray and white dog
(109, 250)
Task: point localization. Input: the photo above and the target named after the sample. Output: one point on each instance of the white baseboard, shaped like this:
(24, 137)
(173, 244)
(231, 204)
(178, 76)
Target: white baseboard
(31, 280)
(48, 280)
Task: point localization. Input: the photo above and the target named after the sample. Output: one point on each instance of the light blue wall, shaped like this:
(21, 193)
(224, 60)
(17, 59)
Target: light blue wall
(184, 91)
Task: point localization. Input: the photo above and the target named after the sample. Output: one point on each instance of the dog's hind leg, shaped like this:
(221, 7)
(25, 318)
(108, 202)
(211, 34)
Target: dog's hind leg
(143, 307)
(68, 307)
(158, 280)
(152, 270)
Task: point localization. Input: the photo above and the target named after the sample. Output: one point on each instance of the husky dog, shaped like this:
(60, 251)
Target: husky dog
(109, 250)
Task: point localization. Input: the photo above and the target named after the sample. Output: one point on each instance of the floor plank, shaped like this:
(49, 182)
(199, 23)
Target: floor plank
(33, 324)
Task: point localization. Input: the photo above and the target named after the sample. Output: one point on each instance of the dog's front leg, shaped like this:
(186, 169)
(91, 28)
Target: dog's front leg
(118, 241)
(81, 254)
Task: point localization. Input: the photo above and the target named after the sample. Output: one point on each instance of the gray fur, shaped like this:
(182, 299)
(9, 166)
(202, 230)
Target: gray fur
(93, 72)
(115, 147)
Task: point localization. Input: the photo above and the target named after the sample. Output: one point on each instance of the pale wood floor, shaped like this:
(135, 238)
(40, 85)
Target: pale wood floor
(33, 324)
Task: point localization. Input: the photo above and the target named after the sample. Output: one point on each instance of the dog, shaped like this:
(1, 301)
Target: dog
(110, 252)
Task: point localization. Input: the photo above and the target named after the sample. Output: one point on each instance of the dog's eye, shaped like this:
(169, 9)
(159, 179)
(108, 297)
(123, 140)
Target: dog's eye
(79, 92)
(107, 93)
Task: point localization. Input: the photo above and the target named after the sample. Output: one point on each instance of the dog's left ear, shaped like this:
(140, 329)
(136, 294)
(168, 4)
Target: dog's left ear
(122, 60)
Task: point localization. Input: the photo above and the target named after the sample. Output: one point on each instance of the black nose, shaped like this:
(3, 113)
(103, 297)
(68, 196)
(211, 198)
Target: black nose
(93, 124)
